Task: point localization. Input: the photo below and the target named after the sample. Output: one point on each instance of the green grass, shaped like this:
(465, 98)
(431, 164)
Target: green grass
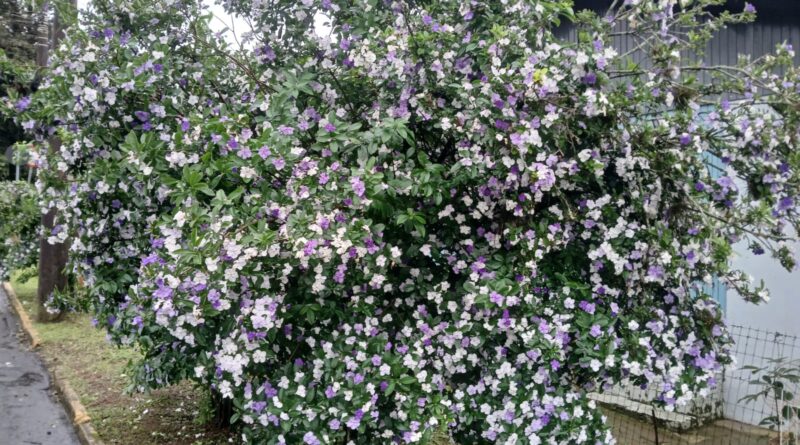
(96, 370)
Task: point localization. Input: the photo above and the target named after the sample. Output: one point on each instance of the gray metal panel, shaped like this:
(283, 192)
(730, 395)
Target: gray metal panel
(778, 21)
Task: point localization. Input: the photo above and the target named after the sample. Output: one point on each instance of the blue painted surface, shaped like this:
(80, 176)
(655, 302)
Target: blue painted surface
(718, 291)
(716, 168)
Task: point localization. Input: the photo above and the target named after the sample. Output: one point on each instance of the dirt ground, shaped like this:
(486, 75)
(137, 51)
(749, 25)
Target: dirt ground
(629, 430)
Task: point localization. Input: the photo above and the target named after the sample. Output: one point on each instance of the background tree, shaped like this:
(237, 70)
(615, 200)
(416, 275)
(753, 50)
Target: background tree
(21, 26)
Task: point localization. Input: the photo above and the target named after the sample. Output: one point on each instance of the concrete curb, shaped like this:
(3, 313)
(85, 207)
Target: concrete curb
(24, 320)
(68, 397)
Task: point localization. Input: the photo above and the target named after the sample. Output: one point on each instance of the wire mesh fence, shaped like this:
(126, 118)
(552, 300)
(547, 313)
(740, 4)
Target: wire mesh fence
(756, 403)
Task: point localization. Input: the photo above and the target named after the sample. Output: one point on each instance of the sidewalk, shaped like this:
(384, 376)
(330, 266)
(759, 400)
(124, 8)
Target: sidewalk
(29, 411)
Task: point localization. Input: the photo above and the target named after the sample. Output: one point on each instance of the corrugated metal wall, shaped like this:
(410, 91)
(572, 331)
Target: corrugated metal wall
(775, 24)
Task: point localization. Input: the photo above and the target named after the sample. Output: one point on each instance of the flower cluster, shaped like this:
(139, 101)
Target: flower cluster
(439, 217)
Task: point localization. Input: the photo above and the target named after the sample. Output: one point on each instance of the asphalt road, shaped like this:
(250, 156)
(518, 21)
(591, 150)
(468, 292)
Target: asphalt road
(29, 411)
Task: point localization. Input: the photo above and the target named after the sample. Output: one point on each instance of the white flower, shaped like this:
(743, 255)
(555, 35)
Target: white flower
(505, 370)
(180, 219)
(90, 95)
(102, 188)
(248, 173)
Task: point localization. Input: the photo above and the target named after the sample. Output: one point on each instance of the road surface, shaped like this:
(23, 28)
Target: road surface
(29, 411)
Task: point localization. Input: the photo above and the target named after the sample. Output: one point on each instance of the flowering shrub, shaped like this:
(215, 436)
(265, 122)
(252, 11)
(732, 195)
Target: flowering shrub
(19, 224)
(438, 217)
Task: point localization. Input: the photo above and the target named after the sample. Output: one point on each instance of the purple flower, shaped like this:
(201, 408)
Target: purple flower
(785, 203)
(286, 131)
(748, 7)
(150, 259)
(655, 272)
(267, 52)
(726, 183)
(355, 421)
(595, 331)
(330, 392)
(358, 186)
(329, 127)
(258, 406)
(586, 306)
(22, 104)
(264, 152)
(310, 439)
(162, 292)
(496, 298)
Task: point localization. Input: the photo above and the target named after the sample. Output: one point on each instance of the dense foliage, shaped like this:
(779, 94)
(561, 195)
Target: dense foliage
(16, 82)
(19, 227)
(437, 216)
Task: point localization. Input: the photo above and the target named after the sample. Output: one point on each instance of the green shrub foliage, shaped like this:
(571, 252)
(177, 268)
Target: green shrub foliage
(19, 227)
(423, 217)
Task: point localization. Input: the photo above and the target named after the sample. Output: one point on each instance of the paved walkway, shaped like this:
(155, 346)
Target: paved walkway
(29, 411)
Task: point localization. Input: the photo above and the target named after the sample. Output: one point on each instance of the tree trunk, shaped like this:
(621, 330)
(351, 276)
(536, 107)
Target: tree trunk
(223, 410)
(52, 258)
(52, 276)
